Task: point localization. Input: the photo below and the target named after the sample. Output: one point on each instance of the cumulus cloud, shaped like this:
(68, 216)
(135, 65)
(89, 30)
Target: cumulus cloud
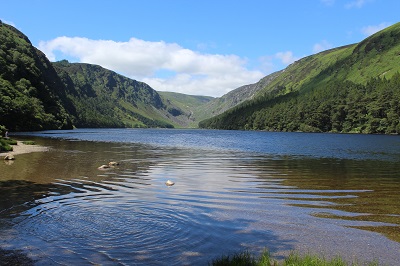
(322, 46)
(369, 30)
(286, 57)
(189, 71)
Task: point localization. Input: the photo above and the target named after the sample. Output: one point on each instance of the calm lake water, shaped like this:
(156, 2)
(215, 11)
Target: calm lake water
(329, 194)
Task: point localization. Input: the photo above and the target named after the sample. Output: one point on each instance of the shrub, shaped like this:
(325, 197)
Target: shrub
(4, 145)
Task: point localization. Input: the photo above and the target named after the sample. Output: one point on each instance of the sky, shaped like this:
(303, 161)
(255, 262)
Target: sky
(206, 47)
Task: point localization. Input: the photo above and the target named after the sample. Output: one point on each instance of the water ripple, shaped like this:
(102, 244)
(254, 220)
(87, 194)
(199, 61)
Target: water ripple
(221, 201)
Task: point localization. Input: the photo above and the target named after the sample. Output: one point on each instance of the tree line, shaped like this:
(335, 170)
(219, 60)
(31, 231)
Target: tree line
(341, 106)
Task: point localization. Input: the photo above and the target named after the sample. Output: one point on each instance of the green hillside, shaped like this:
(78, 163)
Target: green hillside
(185, 108)
(233, 98)
(30, 98)
(36, 94)
(355, 88)
(103, 98)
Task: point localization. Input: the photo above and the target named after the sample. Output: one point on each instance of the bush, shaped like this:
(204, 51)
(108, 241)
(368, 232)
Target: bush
(3, 130)
(4, 145)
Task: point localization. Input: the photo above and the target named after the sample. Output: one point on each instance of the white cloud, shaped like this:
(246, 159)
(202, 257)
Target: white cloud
(322, 46)
(369, 30)
(356, 4)
(190, 72)
(286, 57)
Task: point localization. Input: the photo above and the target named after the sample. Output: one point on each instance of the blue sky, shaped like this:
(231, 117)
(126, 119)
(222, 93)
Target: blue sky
(206, 47)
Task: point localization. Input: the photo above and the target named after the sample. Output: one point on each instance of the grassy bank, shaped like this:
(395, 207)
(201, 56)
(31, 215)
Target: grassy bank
(5, 144)
(245, 258)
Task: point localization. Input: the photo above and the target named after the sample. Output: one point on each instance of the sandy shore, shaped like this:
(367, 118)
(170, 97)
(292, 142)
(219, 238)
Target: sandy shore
(22, 148)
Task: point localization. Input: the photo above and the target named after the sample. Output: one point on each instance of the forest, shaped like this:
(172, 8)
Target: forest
(28, 94)
(344, 107)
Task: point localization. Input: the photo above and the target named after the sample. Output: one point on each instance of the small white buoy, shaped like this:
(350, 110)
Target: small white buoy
(169, 183)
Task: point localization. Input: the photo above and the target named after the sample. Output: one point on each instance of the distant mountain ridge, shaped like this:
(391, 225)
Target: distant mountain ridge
(233, 98)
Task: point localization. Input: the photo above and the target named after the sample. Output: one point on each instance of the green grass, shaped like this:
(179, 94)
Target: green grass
(245, 258)
(5, 144)
(29, 142)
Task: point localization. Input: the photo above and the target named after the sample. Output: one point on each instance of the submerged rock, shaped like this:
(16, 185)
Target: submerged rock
(104, 166)
(9, 157)
(108, 166)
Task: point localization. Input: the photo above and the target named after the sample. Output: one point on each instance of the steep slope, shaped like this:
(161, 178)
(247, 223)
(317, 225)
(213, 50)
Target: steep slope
(183, 107)
(36, 94)
(233, 98)
(103, 98)
(30, 90)
(347, 89)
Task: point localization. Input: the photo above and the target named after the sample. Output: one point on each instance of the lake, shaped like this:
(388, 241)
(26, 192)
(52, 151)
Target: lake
(330, 194)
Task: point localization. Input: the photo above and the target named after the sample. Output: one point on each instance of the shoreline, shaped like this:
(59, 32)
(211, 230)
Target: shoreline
(22, 148)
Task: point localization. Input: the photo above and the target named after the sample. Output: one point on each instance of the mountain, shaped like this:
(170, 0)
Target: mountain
(36, 94)
(30, 95)
(103, 98)
(185, 107)
(354, 88)
(233, 98)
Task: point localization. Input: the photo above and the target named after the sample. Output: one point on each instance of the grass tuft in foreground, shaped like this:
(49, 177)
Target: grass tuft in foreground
(245, 258)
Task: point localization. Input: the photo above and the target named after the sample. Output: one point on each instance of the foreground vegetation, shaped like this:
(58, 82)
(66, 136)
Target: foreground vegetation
(245, 258)
(5, 145)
